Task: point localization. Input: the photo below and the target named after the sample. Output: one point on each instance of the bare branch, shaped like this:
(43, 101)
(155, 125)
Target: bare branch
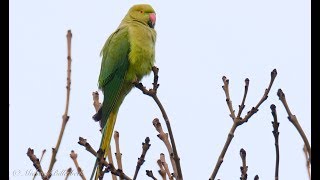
(162, 171)
(224, 150)
(111, 162)
(145, 146)
(241, 107)
(65, 116)
(225, 88)
(293, 119)
(239, 121)
(36, 163)
(74, 156)
(118, 153)
(276, 138)
(68, 173)
(35, 174)
(264, 97)
(83, 142)
(153, 93)
(307, 161)
(244, 167)
(165, 165)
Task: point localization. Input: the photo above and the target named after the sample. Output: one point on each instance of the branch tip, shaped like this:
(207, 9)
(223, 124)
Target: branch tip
(273, 107)
(247, 81)
(274, 73)
(280, 94)
(242, 153)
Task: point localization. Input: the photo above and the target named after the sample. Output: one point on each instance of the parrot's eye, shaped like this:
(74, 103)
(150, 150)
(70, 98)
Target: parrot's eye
(141, 11)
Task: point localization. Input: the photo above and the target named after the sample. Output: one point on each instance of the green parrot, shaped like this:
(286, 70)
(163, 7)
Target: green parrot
(127, 56)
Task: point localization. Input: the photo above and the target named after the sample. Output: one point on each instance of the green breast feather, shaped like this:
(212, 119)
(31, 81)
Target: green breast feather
(142, 54)
(127, 56)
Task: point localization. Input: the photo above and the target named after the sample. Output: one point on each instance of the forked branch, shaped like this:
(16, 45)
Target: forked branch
(43, 152)
(239, 121)
(109, 167)
(36, 163)
(153, 93)
(65, 116)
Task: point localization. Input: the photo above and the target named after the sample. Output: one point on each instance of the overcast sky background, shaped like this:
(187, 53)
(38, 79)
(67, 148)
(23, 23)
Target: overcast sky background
(198, 42)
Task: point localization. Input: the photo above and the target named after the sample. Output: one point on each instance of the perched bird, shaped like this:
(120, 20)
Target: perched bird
(127, 56)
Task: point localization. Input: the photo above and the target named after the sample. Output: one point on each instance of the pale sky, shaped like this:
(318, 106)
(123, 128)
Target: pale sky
(198, 42)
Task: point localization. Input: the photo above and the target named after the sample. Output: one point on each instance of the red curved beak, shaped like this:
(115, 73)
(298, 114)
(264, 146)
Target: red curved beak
(152, 17)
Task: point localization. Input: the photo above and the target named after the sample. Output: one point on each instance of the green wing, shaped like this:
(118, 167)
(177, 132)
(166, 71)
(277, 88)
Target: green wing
(114, 67)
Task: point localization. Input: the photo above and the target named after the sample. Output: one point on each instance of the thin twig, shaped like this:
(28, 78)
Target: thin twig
(275, 132)
(74, 156)
(307, 160)
(118, 153)
(165, 165)
(224, 150)
(293, 119)
(164, 137)
(145, 146)
(35, 174)
(65, 116)
(241, 107)
(150, 174)
(111, 162)
(162, 171)
(68, 173)
(83, 142)
(244, 167)
(36, 163)
(153, 93)
(225, 87)
(239, 121)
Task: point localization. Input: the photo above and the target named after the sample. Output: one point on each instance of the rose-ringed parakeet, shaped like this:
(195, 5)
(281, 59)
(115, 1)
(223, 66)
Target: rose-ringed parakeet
(127, 56)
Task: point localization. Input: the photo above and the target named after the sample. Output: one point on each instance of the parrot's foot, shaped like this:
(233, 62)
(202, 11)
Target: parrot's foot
(98, 115)
(135, 80)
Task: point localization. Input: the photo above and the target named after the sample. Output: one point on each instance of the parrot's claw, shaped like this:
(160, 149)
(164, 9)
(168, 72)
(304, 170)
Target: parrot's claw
(98, 115)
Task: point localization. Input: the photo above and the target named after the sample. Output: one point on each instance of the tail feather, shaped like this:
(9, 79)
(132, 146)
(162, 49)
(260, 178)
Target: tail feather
(105, 141)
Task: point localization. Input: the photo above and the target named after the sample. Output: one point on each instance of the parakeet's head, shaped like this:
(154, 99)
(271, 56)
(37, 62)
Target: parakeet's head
(143, 13)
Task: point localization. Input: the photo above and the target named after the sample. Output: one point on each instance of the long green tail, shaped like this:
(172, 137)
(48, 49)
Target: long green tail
(105, 142)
